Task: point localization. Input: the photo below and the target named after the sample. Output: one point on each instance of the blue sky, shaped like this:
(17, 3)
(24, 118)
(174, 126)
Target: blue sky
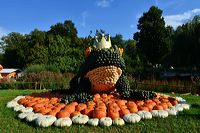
(113, 16)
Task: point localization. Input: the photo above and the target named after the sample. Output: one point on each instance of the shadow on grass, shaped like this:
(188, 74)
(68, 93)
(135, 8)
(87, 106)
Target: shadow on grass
(195, 106)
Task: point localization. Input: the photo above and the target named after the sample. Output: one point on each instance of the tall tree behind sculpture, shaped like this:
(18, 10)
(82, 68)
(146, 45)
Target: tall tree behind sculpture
(153, 37)
(185, 51)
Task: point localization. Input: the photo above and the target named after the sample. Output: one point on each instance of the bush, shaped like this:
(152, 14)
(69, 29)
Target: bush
(46, 80)
(41, 67)
(35, 68)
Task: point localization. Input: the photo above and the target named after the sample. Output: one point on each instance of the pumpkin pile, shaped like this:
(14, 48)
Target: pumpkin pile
(46, 109)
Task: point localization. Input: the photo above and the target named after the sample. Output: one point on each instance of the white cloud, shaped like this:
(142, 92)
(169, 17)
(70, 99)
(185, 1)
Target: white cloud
(3, 31)
(104, 3)
(84, 15)
(179, 19)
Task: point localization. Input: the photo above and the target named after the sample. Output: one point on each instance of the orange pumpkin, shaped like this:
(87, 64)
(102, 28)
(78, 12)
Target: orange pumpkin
(140, 103)
(164, 105)
(143, 108)
(131, 104)
(149, 106)
(75, 113)
(121, 102)
(61, 105)
(113, 114)
(53, 113)
(158, 107)
(62, 114)
(98, 113)
(123, 112)
(88, 112)
(133, 109)
(169, 104)
(44, 110)
(97, 96)
(70, 108)
(74, 104)
(174, 102)
(22, 100)
(81, 106)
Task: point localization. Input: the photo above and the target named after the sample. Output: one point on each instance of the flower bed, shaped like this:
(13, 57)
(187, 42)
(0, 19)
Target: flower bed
(46, 109)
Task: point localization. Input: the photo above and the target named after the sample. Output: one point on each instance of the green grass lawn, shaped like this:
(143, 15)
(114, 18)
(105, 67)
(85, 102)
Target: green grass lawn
(186, 121)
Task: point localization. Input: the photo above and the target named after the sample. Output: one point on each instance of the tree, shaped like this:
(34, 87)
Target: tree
(65, 30)
(131, 57)
(37, 52)
(117, 40)
(15, 48)
(153, 38)
(62, 55)
(185, 51)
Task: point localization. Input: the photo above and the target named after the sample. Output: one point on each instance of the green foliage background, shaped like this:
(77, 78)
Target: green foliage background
(61, 48)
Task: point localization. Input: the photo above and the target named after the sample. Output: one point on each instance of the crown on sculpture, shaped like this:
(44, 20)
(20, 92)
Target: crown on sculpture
(102, 42)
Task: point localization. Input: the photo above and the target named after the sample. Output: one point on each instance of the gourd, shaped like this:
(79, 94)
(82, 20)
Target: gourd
(45, 120)
(18, 97)
(28, 109)
(185, 106)
(159, 113)
(180, 99)
(23, 115)
(118, 122)
(105, 121)
(12, 104)
(145, 115)
(172, 112)
(132, 118)
(18, 108)
(61, 122)
(177, 107)
(80, 119)
(32, 116)
(93, 122)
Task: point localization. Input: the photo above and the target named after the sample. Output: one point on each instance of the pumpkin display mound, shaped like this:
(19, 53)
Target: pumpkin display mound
(46, 109)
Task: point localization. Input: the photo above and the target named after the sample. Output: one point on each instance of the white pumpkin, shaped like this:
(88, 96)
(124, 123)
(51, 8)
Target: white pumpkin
(105, 121)
(12, 104)
(62, 122)
(180, 99)
(118, 122)
(178, 107)
(28, 109)
(172, 112)
(93, 122)
(132, 118)
(23, 115)
(18, 97)
(159, 113)
(80, 119)
(185, 106)
(45, 120)
(31, 117)
(18, 108)
(145, 115)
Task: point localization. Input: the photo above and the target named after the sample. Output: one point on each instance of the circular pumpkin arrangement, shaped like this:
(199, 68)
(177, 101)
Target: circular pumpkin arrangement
(45, 109)
(99, 94)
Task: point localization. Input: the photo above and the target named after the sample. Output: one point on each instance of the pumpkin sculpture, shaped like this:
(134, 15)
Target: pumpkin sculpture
(103, 71)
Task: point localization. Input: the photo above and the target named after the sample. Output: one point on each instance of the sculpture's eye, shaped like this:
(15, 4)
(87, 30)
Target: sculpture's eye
(120, 50)
(87, 51)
